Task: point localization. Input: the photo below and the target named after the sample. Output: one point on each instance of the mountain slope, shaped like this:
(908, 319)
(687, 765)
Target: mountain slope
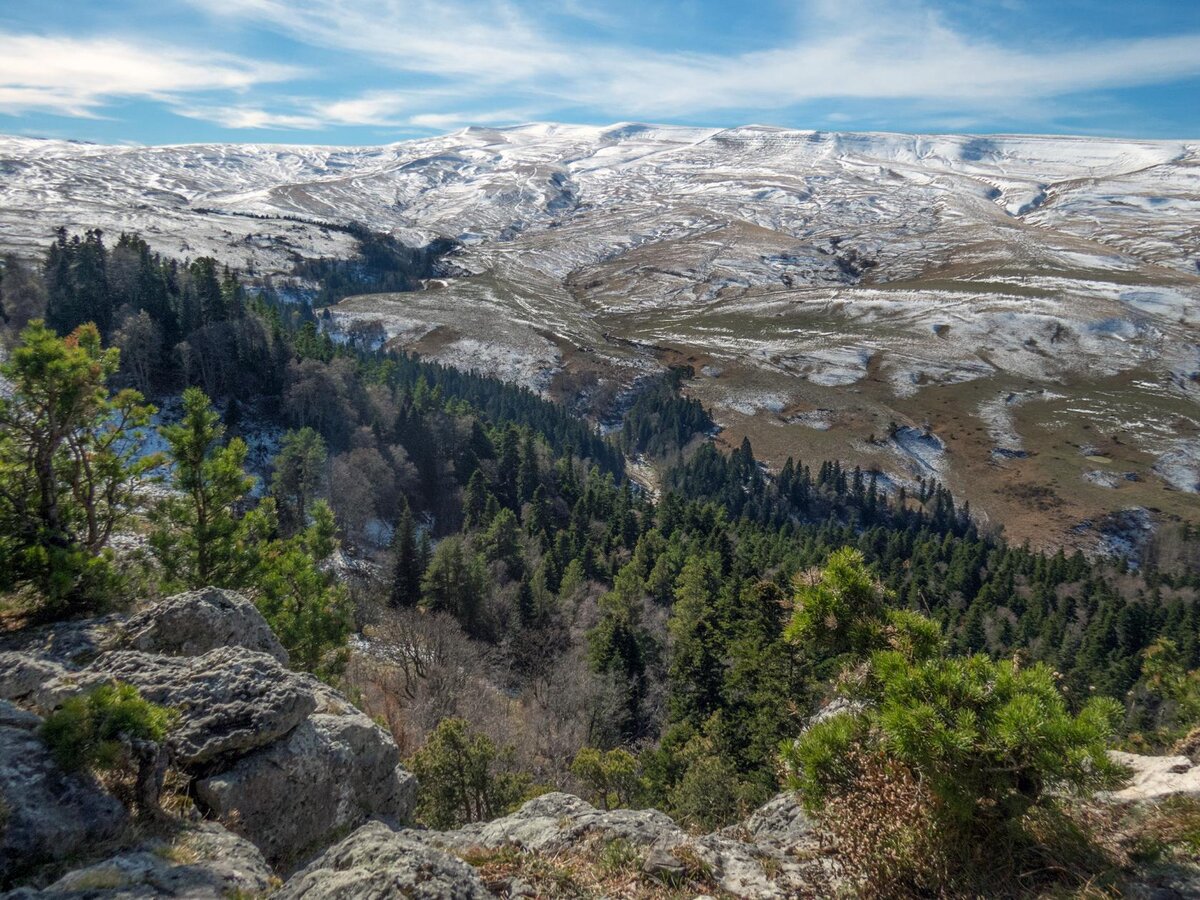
(1034, 302)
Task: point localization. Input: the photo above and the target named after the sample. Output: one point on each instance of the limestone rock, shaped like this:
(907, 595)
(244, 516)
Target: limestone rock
(375, 861)
(230, 700)
(193, 623)
(755, 871)
(46, 813)
(23, 674)
(781, 822)
(333, 772)
(204, 862)
(554, 822)
(12, 716)
(1156, 777)
(71, 644)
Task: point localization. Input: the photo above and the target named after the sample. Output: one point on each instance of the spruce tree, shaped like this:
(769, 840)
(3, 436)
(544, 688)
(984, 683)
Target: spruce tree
(407, 565)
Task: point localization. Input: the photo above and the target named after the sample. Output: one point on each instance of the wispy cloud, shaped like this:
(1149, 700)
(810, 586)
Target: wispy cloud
(79, 76)
(853, 49)
(436, 64)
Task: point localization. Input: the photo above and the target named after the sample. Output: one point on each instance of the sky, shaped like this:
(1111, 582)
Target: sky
(374, 71)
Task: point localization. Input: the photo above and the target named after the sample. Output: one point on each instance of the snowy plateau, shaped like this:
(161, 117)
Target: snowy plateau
(1017, 315)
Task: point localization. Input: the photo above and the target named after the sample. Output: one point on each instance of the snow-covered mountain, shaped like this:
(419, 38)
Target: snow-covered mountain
(1031, 299)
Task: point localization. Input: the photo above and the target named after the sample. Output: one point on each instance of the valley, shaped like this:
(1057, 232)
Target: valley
(1018, 317)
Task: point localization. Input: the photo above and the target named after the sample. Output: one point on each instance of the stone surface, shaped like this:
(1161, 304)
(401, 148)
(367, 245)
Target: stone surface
(193, 623)
(46, 813)
(781, 822)
(71, 644)
(740, 864)
(556, 821)
(23, 674)
(334, 772)
(230, 700)
(12, 716)
(1156, 777)
(376, 862)
(205, 862)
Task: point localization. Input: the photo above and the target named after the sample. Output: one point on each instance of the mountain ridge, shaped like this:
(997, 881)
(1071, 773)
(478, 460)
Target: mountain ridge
(834, 283)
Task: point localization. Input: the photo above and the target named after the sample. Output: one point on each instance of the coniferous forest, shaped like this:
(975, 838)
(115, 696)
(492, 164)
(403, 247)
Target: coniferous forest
(476, 566)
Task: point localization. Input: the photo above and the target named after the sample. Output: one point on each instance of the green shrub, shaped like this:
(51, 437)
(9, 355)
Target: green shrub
(463, 777)
(93, 730)
(938, 760)
(991, 739)
(611, 778)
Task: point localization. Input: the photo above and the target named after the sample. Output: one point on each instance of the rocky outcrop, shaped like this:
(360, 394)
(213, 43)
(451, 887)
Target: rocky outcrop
(23, 674)
(333, 772)
(558, 823)
(781, 822)
(204, 861)
(230, 700)
(47, 814)
(283, 760)
(375, 861)
(71, 644)
(1156, 778)
(555, 822)
(194, 623)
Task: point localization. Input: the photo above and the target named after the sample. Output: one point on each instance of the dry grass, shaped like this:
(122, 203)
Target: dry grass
(889, 842)
(598, 869)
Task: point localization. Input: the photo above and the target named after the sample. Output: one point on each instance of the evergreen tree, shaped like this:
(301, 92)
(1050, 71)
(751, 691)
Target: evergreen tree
(407, 565)
(198, 540)
(298, 476)
(455, 582)
(70, 461)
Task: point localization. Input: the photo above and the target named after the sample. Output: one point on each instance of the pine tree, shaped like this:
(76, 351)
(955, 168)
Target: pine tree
(70, 460)
(298, 476)
(407, 566)
(697, 645)
(198, 540)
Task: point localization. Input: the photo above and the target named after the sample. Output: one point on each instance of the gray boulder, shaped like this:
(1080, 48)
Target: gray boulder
(376, 862)
(47, 814)
(23, 674)
(12, 716)
(230, 700)
(555, 822)
(191, 624)
(71, 644)
(758, 859)
(1155, 778)
(205, 862)
(780, 822)
(334, 772)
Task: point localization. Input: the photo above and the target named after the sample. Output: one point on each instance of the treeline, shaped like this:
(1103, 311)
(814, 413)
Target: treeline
(661, 420)
(1090, 619)
(382, 265)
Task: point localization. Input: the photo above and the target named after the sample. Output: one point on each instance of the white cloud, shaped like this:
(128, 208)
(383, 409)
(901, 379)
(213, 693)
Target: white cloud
(860, 49)
(453, 56)
(248, 117)
(451, 120)
(78, 76)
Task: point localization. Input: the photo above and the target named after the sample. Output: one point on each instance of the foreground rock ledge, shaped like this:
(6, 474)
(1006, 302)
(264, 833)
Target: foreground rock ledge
(278, 757)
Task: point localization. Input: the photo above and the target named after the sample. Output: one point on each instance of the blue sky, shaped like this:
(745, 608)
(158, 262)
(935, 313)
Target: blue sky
(371, 71)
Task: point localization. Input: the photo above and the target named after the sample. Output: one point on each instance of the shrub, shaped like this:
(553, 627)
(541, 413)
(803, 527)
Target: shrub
(463, 777)
(92, 730)
(945, 762)
(937, 761)
(611, 778)
(114, 729)
(991, 739)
